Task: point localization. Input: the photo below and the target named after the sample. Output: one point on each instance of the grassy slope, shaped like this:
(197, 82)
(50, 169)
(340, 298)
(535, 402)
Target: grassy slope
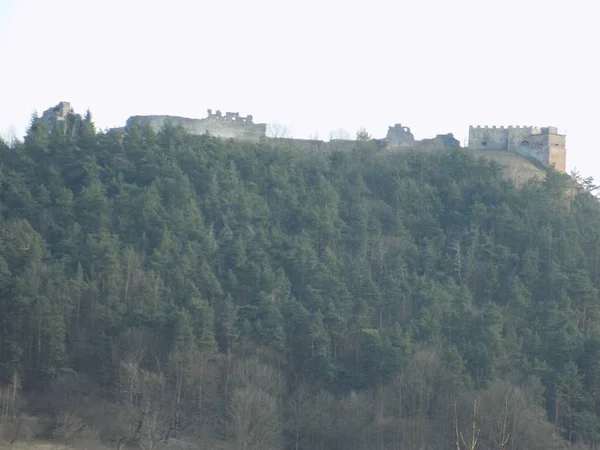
(516, 168)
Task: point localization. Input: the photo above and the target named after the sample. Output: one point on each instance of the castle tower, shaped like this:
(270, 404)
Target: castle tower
(542, 144)
(549, 148)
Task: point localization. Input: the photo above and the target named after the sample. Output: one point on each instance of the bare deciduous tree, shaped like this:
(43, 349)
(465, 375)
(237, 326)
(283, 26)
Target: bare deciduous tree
(254, 408)
(339, 133)
(278, 130)
(298, 409)
(10, 414)
(255, 419)
(467, 441)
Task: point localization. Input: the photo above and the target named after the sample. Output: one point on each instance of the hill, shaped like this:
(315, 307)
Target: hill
(164, 288)
(514, 167)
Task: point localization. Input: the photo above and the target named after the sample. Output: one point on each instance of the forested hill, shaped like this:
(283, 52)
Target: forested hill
(172, 287)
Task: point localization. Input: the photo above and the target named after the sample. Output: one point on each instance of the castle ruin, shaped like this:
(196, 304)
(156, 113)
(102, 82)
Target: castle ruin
(233, 126)
(56, 117)
(228, 126)
(399, 137)
(541, 144)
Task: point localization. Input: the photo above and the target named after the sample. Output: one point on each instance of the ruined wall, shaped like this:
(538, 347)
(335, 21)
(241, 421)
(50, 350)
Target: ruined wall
(312, 145)
(300, 145)
(438, 143)
(229, 126)
(399, 136)
(56, 116)
(543, 144)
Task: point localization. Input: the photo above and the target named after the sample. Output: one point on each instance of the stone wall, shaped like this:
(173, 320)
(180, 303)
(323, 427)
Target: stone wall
(519, 138)
(312, 145)
(300, 145)
(557, 145)
(488, 138)
(438, 143)
(542, 144)
(535, 147)
(56, 116)
(399, 136)
(228, 126)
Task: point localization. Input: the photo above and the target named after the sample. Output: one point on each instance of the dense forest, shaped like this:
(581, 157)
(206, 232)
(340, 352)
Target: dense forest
(164, 288)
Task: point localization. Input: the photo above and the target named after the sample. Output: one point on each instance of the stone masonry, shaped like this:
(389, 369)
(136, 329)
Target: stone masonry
(541, 144)
(231, 125)
(56, 116)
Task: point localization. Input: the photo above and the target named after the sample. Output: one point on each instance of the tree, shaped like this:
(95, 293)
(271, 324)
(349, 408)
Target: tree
(362, 135)
(339, 133)
(278, 130)
(254, 407)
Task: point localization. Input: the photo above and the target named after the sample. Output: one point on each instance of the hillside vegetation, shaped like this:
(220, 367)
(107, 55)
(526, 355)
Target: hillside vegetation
(514, 167)
(173, 289)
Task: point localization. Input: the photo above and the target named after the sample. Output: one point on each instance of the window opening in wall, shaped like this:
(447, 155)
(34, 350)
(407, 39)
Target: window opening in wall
(484, 143)
(525, 144)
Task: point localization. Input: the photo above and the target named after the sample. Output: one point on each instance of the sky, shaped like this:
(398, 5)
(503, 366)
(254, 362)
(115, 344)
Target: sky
(436, 66)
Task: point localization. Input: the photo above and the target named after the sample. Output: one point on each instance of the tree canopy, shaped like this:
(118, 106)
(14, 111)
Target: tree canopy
(351, 297)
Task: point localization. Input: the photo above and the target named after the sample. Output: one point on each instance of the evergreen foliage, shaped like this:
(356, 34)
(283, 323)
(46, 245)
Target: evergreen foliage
(352, 295)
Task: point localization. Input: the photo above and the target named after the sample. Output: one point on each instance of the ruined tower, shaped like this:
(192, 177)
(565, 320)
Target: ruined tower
(56, 116)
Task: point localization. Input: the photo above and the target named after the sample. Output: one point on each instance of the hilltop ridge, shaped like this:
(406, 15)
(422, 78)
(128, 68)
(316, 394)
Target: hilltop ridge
(166, 288)
(522, 152)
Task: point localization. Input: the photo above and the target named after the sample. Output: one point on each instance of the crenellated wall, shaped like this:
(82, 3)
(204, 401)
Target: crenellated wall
(542, 144)
(488, 138)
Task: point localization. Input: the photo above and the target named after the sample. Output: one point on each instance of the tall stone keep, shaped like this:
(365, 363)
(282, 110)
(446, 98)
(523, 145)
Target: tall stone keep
(542, 144)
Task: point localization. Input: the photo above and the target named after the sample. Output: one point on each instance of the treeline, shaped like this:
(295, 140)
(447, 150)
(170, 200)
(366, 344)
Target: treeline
(169, 287)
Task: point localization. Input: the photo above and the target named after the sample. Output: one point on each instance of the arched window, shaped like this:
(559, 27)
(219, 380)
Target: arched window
(525, 144)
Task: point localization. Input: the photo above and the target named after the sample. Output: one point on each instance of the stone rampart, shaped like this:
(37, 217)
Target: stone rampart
(231, 125)
(56, 117)
(541, 144)
(228, 126)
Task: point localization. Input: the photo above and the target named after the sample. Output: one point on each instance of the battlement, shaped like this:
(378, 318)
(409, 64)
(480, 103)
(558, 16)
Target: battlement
(542, 144)
(501, 127)
(229, 116)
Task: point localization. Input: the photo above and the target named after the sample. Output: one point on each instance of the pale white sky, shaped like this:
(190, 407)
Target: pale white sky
(314, 65)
